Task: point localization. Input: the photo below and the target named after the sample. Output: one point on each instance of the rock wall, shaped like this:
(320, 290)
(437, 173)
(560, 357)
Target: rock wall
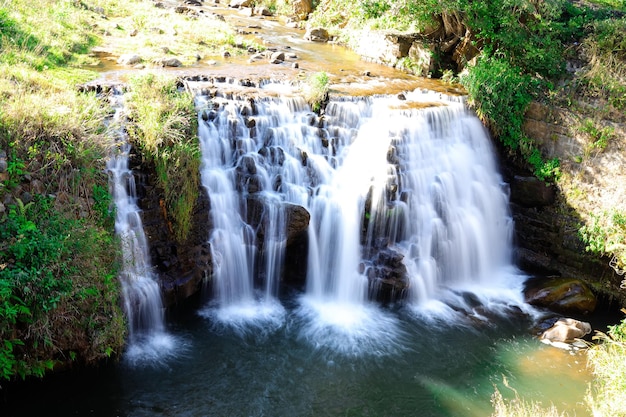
(183, 267)
(549, 216)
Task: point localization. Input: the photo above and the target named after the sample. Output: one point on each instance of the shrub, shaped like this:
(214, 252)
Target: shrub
(316, 90)
(56, 288)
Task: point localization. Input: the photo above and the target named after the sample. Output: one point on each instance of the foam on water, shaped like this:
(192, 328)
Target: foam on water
(349, 329)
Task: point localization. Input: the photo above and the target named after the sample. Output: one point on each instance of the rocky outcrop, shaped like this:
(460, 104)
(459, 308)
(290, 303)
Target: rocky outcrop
(183, 267)
(549, 216)
(562, 295)
(446, 45)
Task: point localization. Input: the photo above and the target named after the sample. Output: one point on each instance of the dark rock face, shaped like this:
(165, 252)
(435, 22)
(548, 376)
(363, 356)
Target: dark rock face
(387, 276)
(183, 267)
(561, 295)
(532, 192)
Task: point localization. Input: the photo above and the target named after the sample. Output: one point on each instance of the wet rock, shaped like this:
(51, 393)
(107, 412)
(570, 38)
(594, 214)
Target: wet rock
(3, 162)
(387, 275)
(296, 217)
(129, 59)
(561, 295)
(317, 35)
(532, 192)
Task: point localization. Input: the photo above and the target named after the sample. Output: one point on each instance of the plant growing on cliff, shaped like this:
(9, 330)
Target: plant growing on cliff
(163, 125)
(316, 90)
(605, 234)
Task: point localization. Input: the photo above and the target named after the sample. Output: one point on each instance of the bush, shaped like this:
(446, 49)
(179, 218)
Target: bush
(57, 286)
(316, 90)
(607, 395)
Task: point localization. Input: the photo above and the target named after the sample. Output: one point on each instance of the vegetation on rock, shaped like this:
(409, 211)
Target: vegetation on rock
(162, 122)
(59, 295)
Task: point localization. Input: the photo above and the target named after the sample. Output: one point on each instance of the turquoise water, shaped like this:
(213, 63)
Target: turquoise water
(427, 367)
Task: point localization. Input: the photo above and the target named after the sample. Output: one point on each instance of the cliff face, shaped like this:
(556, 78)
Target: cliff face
(183, 267)
(548, 217)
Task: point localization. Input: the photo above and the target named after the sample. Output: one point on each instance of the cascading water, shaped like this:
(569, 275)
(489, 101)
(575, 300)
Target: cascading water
(141, 293)
(412, 181)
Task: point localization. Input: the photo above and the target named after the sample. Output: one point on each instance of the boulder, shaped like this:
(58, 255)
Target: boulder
(562, 295)
(317, 35)
(168, 62)
(262, 11)
(277, 57)
(301, 9)
(237, 4)
(566, 330)
(129, 59)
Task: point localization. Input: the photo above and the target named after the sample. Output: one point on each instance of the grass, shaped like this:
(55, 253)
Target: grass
(607, 395)
(153, 33)
(163, 124)
(517, 407)
(316, 90)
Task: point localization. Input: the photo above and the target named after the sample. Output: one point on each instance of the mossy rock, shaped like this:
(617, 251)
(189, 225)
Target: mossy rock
(561, 295)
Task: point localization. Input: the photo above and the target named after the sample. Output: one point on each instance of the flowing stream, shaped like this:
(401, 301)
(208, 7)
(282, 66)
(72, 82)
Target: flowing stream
(398, 189)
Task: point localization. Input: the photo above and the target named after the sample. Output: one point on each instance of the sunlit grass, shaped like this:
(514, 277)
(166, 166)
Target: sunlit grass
(163, 124)
(517, 407)
(139, 27)
(607, 395)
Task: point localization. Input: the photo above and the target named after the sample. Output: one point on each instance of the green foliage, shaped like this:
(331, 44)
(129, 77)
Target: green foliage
(606, 74)
(599, 136)
(605, 234)
(103, 205)
(46, 260)
(544, 170)
(500, 93)
(607, 394)
(316, 90)
(163, 124)
(373, 9)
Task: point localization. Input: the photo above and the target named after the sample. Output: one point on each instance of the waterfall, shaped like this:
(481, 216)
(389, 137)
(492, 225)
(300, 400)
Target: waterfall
(390, 184)
(140, 289)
